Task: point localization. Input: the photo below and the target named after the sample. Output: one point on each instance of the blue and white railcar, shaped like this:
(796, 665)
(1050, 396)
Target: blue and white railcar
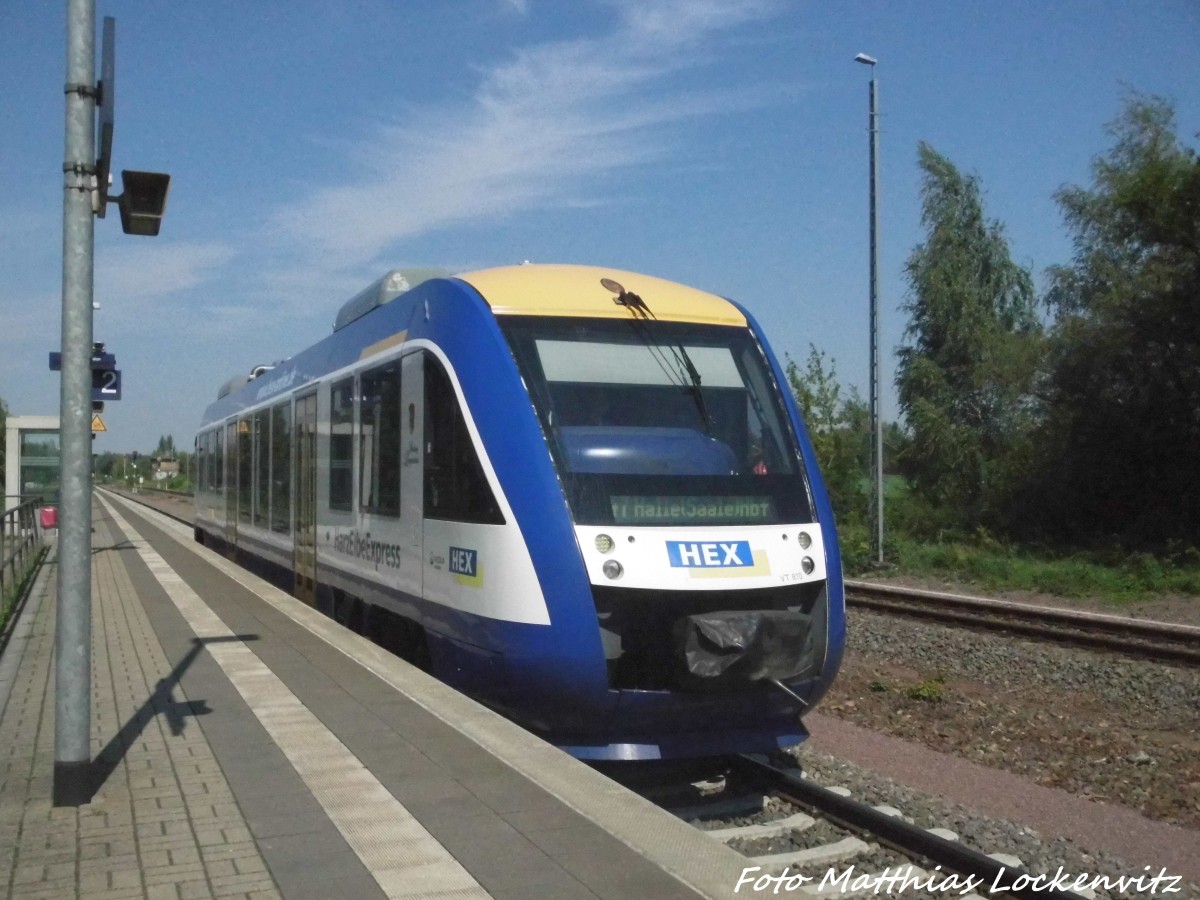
(580, 495)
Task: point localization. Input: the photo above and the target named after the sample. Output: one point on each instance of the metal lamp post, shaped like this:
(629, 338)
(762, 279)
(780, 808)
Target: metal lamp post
(876, 516)
(85, 196)
(73, 635)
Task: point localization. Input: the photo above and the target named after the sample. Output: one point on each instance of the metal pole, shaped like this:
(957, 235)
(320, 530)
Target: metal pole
(73, 637)
(876, 417)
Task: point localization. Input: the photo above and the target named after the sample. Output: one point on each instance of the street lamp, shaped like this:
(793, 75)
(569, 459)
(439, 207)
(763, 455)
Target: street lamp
(876, 512)
(143, 202)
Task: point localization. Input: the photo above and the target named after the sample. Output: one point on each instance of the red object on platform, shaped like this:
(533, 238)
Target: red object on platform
(49, 516)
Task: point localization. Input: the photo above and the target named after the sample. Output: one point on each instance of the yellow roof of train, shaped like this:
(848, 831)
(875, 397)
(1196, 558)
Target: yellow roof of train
(561, 290)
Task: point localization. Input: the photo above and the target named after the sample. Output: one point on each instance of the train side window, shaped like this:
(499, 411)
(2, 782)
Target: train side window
(281, 468)
(455, 486)
(231, 469)
(216, 477)
(245, 468)
(341, 444)
(379, 439)
(201, 453)
(212, 445)
(262, 467)
(204, 467)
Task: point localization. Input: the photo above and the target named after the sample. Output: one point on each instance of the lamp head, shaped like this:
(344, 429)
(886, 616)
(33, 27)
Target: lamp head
(143, 202)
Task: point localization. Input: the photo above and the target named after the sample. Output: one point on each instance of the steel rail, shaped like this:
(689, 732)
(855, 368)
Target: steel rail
(910, 840)
(1158, 640)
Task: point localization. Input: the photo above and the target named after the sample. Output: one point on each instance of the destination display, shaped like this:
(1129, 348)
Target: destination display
(692, 510)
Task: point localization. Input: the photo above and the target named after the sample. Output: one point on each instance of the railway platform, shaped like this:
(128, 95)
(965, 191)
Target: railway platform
(245, 746)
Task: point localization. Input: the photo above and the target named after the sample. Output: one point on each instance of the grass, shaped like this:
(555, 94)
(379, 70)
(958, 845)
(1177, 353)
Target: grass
(997, 566)
(1112, 572)
(931, 690)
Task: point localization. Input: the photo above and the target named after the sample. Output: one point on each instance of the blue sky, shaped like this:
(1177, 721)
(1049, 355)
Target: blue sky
(315, 145)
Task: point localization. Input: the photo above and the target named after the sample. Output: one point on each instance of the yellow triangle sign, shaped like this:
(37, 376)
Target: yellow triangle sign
(98, 424)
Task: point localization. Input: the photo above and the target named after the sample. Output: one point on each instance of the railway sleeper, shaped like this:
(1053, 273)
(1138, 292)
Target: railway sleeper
(796, 822)
(839, 851)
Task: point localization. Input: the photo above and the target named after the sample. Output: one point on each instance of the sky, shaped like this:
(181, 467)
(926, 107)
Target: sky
(313, 145)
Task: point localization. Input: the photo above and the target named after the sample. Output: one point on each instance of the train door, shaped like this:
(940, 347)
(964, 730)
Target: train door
(231, 485)
(412, 471)
(304, 452)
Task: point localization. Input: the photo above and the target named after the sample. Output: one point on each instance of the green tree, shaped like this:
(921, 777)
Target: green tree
(1122, 437)
(968, 364)
(838, 430)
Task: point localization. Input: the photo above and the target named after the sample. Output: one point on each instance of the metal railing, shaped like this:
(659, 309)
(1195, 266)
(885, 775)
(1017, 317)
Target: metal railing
(21, 538)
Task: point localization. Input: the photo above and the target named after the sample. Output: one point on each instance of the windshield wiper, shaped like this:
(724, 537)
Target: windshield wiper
(695, 391)
(683, 365)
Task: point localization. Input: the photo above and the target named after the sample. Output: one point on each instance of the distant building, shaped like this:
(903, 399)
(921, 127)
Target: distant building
(32, 460)
(164, 467)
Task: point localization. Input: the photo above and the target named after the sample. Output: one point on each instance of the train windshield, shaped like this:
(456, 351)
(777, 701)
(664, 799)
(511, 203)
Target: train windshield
(661, 423)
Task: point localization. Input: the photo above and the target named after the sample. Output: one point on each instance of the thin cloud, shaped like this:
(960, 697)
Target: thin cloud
(38, 318)
(545, 128)
(132, 276)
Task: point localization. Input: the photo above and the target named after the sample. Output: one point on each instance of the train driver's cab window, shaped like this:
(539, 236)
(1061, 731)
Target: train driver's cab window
(379, 441)
(341, 444)
(455, 486)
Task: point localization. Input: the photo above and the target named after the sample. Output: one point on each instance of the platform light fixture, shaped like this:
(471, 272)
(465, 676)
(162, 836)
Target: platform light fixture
(143, 202)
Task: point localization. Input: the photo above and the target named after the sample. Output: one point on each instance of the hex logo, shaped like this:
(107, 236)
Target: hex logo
(710, 554)
(464, 562)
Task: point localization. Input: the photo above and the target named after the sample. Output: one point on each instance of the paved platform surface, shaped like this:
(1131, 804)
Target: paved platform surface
(245, 746)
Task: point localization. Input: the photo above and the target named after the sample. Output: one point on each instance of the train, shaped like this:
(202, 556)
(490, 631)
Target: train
(582, 496)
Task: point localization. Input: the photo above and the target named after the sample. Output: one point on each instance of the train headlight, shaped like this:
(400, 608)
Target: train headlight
(807, 565)
(805, 540)
(613, 569)
(604, 543)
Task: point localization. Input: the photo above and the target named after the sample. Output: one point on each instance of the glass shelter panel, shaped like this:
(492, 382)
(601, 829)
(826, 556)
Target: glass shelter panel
(40, 467)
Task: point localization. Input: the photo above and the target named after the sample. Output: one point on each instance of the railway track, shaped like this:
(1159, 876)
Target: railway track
(1161, 641)
(802, 839)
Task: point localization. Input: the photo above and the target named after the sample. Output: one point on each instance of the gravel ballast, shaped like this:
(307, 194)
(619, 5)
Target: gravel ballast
(1094, 724)
(1097, 725)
